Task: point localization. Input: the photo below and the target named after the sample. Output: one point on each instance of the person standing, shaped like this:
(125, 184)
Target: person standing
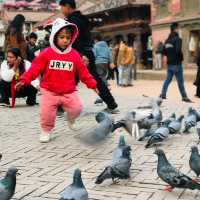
(103, 58)
(174, 54)
(32, 47)
(14, 37)
(83, 45)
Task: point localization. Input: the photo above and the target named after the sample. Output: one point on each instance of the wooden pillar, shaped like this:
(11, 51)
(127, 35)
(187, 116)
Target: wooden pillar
(185, 48)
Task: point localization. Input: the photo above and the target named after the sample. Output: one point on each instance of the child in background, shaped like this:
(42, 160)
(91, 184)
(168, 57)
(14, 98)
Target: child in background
(58, 65)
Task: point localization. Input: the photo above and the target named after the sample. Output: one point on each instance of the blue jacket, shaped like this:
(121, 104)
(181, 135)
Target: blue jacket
(102, 53)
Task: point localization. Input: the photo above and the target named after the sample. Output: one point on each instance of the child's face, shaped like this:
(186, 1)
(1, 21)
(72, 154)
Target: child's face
(32, 41)
(63, 39)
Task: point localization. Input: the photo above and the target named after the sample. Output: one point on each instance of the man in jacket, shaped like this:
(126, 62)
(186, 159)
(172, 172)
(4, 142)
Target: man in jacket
(173, 52)
(83, 45)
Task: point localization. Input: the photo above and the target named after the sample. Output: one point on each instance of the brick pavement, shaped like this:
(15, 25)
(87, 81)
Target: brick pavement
(47, 168)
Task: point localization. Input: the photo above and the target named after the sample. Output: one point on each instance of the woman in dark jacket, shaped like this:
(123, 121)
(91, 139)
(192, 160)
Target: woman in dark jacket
(197, 82)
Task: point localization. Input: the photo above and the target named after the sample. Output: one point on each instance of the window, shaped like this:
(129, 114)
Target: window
(161, 8)
(190, 6)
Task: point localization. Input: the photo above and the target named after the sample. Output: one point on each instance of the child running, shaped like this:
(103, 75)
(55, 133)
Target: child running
(58, 65)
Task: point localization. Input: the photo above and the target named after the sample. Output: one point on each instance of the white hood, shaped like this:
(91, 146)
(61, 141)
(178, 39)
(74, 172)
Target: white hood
(58, 24)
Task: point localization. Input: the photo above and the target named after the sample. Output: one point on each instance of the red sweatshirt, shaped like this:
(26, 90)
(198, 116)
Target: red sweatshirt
(58, 68)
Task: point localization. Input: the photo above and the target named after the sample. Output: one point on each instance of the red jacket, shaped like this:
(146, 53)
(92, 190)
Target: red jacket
(58, 71)
(58, 68)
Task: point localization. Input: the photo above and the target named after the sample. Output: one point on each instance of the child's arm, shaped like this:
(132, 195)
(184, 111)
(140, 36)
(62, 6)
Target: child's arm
(84, 75)
(36, 68)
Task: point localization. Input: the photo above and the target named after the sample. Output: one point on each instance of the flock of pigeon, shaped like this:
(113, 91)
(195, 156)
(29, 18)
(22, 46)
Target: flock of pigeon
(156, 131)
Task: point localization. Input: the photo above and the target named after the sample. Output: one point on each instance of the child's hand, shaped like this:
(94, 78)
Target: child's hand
(96, 90)
(18, 86)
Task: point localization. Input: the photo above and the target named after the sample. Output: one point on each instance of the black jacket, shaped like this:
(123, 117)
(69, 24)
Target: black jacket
(83, 41)
(173, 49)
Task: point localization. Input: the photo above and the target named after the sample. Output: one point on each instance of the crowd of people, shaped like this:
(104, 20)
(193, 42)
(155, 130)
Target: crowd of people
(68, 54)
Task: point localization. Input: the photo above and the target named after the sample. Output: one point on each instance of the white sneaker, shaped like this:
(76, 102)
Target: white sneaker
(72, 125)
(44, 137)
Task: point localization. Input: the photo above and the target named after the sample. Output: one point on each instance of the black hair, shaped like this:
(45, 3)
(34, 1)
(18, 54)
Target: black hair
(174, 26)
(69, 29)
(33, 35)
(17, 53)
(16, 26)
(71, 3)
(98, 37)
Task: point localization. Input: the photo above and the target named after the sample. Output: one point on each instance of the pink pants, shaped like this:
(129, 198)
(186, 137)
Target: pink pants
(49, 103)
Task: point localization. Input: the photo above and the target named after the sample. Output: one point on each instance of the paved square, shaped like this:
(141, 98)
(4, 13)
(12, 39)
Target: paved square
(47, 168)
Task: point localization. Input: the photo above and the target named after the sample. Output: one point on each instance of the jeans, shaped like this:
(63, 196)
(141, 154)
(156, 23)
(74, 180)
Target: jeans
(125, 75)
(176, 70)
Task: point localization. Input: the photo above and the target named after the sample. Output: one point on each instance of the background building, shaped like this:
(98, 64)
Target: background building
(187, 13)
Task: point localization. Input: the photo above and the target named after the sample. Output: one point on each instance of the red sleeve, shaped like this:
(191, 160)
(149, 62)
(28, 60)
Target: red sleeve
(84, 74)
(37, 66)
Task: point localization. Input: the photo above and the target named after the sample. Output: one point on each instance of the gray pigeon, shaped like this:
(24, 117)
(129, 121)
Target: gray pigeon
(153, 118)
(158, 101)
(171, 118)
(198, 130)
(121, 163)
(190, 120)
(173, 176)
(175, 126)
(126, 122)
(150, 132)
(121, 148)
(77, 190)
(159, 136)
(100, 132)
(195, 160)
(198, 115)
(8, 184)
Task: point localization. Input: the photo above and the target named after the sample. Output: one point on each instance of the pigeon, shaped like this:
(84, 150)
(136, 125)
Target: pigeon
(158, 101)
(8, 184)
(121, 163)
(126, 122)
(156, 112)
(198, 131)
(159, 136)
(0, 156)
(150, 132)
(153, 118)
(198, 115)
(175, 126)
(173, 176)
(100, 132)
(122, 147)
(190, 120)
(77, 190)
(195, 160)
(171, 118)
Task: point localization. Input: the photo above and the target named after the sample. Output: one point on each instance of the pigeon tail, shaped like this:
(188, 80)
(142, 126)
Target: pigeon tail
(106, 174)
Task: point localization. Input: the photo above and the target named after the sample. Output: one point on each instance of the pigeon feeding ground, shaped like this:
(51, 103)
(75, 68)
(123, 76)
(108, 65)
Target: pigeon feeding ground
(46, 169)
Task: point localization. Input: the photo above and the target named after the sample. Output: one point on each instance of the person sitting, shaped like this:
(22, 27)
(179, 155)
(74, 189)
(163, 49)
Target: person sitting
(11, 70)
